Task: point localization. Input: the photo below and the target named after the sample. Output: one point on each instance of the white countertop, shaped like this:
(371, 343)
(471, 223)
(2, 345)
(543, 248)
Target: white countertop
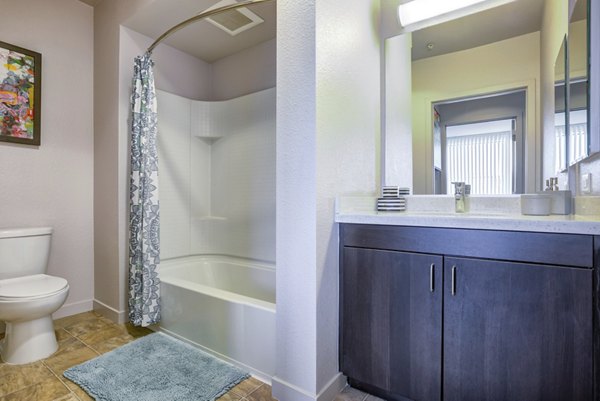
(360, 210)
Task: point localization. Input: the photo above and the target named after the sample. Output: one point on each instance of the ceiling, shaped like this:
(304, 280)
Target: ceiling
(201, 39)
(91, 2)
(509, 20)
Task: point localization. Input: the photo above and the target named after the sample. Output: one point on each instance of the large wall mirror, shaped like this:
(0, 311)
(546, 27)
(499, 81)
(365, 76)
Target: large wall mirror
(467, 67)
(578, 117)
(560, 108)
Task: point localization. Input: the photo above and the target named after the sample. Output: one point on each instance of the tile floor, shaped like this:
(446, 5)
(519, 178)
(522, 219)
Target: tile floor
(80, 338)
(352, 394)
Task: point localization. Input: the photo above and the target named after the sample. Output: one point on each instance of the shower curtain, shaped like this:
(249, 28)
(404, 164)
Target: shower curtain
(144, 246)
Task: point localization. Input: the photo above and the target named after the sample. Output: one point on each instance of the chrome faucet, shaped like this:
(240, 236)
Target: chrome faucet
(461, 190)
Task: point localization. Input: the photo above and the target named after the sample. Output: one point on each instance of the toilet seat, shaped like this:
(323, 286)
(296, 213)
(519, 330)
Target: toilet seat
(31, 287)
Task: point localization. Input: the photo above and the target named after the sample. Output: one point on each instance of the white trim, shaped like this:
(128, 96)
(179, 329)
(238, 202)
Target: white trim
(108, 312)
(73, 309)
(332, 388)
(285, 391)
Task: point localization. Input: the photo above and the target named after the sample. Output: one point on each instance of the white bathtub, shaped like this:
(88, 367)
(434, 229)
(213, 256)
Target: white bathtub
(223, 305)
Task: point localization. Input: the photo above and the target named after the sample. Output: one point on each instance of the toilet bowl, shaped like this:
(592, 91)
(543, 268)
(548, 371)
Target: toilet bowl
(28, 297)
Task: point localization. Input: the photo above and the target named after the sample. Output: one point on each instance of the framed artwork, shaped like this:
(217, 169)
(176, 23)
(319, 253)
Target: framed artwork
(20, 94)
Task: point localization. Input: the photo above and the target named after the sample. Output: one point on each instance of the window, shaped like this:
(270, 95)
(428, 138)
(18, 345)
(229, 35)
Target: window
(481, 154)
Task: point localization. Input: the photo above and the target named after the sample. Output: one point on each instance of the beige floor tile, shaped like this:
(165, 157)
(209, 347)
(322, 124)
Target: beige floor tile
(80, 393)
(246, 387)
(78, 329)
(263, 393)
(135, 331)
(95, 337)
(71, 353)
(110, 344)
(68, 397)
(373, 398)
(71, 385)
(17, 377)
(69, 320)
(47, 390)
(82, 337)
(230, 397)
(350, 394)
(62, 334)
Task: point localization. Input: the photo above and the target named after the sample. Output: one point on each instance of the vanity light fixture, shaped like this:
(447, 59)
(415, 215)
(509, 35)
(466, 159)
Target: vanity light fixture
(417, 11)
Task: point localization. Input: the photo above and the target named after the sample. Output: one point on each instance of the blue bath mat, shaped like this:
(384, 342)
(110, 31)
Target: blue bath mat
(155, 368)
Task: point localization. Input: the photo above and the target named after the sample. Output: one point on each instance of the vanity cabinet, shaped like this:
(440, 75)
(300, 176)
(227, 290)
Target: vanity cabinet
(457, 315)
(392, 327)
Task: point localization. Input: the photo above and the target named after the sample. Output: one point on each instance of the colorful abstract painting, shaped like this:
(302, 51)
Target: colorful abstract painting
(20, 83)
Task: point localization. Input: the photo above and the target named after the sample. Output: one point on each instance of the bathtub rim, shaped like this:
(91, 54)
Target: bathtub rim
(173, 262)
(225, 295)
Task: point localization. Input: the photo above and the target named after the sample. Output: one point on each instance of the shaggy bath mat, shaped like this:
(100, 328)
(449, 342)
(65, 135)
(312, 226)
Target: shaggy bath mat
(155, 368)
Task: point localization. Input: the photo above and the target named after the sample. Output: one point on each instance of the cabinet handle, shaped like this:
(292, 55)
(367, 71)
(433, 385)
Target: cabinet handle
(431, 276)
(453, 280)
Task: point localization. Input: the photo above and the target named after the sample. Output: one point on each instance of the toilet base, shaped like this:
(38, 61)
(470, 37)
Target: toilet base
(29, 341)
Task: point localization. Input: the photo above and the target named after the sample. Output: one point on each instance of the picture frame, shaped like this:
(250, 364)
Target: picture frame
(20, 95)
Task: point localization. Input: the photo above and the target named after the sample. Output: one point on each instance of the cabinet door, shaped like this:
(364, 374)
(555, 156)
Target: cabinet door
(516, 332)
(391, 322)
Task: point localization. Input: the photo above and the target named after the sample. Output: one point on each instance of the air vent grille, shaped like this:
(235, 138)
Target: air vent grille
(234, 21)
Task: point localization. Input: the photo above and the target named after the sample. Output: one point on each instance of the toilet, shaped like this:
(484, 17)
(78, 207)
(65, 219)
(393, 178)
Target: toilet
(28, 296)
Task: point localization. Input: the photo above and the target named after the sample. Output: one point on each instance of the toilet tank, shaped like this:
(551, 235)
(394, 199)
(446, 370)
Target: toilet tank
(24, 251)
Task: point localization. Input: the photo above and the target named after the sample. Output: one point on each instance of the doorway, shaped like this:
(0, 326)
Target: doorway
(480, 141)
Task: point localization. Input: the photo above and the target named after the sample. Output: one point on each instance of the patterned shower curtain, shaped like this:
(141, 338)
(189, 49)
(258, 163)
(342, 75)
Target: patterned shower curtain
(144, 246)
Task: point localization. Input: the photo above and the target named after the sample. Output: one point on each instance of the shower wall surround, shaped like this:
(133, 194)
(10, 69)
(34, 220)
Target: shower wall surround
(217, 176)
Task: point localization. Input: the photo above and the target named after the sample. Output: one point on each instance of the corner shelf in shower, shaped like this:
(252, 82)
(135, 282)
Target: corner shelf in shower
(210, 218)
(209, 139)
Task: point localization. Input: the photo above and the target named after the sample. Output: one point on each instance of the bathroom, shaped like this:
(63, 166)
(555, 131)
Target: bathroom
(329, 143)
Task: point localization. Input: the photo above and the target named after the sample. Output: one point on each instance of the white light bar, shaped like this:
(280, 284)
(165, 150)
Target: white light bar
(421, 10)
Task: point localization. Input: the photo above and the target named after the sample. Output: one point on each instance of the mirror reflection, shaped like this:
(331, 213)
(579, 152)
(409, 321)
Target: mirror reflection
(578, 84)
(504, 50)
(560, 109)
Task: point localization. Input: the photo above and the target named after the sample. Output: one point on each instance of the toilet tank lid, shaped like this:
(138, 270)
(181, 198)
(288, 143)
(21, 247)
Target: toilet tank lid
(24, 232)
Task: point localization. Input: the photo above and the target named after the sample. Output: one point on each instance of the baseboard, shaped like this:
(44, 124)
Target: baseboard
(285, 391)
(108, 312)
(333, 387)
(73, 309)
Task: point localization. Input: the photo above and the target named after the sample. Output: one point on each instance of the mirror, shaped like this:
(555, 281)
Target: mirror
(508, 48)
(560, 109)
(578, 144)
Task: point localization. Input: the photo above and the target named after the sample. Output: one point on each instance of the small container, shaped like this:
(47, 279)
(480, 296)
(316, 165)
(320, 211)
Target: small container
(536, 204)
(561, 202)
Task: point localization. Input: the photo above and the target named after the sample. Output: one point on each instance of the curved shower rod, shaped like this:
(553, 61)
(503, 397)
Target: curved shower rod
(202, 16)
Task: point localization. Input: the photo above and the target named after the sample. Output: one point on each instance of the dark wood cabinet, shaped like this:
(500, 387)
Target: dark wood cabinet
(515, 331)
(392, 321)
(512, 327)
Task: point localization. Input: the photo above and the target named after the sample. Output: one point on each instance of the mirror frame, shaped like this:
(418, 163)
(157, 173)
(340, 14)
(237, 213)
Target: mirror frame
(594, 76)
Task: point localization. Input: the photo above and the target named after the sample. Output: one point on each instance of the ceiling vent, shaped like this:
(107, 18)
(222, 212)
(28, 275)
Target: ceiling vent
(234, 21)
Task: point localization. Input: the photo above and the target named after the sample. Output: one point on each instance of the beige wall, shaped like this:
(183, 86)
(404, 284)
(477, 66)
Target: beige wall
(248, 71)
(511, 63)
(52, 184)
(110, 160)
(114, 51)
(174, 71)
